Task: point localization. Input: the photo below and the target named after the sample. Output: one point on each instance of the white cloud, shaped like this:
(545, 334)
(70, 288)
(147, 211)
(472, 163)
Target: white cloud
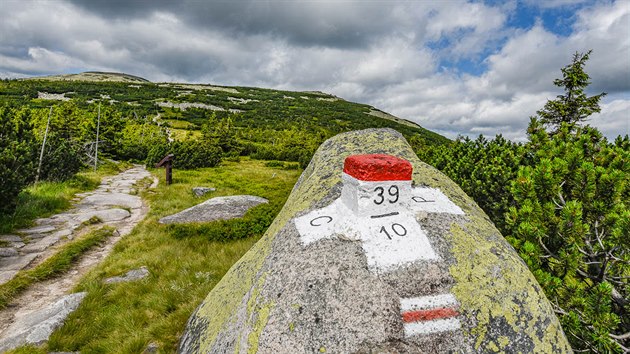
(379, 54)
(614, 119)
(520, 77)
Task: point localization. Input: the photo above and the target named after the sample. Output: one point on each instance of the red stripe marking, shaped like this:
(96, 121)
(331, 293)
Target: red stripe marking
(378, 167)
(428, 315)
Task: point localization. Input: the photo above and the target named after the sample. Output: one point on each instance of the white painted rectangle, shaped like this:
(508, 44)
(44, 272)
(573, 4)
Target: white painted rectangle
(406, 243)
(435, 326)
(427, 302)
(432, 200)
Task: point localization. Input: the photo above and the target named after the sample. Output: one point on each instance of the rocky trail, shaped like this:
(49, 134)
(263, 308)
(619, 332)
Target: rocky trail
(32, 316)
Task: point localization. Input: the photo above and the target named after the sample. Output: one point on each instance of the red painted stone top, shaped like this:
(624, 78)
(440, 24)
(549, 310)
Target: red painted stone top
(378, 167)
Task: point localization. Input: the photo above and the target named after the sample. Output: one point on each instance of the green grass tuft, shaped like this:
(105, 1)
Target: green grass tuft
(53, 266)
(48, 198)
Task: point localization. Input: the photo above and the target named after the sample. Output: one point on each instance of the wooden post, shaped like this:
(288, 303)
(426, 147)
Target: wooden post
(169, 172)
(167, 162)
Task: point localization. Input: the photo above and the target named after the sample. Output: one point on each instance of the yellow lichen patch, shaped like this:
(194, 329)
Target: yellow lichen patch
(258, 315)
(503, 341)
(262, 316)
(491, 282)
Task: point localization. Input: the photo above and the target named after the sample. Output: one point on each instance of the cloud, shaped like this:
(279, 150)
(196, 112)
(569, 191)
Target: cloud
(551, 4)
(301, 22)
(399, 56)
(519, 80)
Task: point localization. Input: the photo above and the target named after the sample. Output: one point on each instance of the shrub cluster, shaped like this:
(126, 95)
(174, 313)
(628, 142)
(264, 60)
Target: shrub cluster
(17, 155)
(561, 200)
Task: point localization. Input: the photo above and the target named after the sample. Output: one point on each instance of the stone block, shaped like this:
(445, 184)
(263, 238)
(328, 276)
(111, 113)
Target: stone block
(219, 208)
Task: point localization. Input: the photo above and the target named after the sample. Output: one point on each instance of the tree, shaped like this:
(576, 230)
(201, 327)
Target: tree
(17, 154)
(573, 106)
(571, 224)
(561, 200)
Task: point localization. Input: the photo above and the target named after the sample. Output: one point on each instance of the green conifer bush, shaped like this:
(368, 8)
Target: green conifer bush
(562, 200)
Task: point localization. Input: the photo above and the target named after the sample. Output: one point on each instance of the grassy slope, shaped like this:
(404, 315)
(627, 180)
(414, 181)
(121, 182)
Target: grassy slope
(128, 316)
(259, 108)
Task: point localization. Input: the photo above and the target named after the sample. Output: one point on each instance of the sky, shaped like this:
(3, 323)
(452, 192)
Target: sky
(455, 67)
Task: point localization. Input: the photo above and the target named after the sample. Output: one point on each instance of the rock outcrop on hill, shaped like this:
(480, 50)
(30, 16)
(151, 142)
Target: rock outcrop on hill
(382, 254)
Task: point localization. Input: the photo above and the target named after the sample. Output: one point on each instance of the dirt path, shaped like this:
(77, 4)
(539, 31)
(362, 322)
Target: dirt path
(114, 203)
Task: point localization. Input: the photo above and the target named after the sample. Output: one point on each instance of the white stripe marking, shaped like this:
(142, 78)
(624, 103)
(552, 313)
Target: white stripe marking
(441, 325)
(427, 302)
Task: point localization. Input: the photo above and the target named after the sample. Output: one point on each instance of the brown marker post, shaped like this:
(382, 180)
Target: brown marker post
(167, 162)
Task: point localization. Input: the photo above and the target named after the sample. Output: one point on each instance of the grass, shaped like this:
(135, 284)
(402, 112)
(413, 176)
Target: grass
(179, 124)
(47, 198)
(126, 317)
(184, 134)
(53, 266)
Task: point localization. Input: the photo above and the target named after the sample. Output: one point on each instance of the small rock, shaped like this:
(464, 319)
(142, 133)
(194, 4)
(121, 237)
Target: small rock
(199, 191)
(8, 252)
(135, 274)
(39, 325)
(151, 348)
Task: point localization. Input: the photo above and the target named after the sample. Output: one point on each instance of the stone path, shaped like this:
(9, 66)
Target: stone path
(113, 203)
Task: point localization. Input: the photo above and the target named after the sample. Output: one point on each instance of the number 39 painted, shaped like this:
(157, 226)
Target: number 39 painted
(380, 198)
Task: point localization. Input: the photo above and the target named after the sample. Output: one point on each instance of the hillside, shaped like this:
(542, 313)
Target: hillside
(97, 76)
(265, 124)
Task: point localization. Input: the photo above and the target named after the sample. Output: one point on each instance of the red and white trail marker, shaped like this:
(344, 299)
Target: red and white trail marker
(378, 206)
(429, 314)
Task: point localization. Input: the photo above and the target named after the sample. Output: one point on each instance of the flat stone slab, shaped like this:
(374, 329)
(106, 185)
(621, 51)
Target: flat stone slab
(106, 215)
(37, 230)
(219, 208)
(8, 252)
(10, 238)
(37, 327)
(132, 275)
(111, 199)
(128, 183)
(54, 220)
(58, 234)
(16, 263)
(32, 237)
(41, 245)
(6, 275)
